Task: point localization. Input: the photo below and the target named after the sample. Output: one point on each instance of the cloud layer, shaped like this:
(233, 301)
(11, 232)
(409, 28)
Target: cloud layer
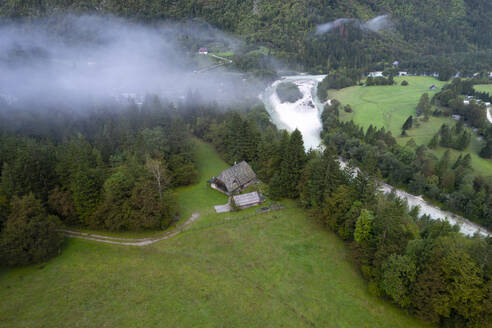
(80, 60)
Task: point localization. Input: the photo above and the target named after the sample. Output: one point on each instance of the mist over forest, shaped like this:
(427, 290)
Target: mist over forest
(95, 60)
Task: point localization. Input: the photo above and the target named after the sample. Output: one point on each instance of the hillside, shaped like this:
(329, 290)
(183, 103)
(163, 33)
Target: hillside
(422, 31)
(238, 270)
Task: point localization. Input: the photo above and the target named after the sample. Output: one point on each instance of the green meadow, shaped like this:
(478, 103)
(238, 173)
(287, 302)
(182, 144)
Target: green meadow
(483, 88)
(390, 106)
(243, 269)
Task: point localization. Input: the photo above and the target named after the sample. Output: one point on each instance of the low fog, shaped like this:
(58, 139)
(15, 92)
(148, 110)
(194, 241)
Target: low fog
(84, 60)
(376, 24)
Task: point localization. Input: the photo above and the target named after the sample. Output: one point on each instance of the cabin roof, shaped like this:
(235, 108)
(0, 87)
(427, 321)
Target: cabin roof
(248, 199)
(236, 176)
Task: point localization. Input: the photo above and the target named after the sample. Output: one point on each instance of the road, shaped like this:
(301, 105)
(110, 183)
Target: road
(130, 241)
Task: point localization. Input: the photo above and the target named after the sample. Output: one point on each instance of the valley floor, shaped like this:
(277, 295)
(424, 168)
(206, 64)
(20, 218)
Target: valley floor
(240, 269)
(390, 106)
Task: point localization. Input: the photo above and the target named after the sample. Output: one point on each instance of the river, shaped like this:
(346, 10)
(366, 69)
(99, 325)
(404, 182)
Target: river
(305, 115)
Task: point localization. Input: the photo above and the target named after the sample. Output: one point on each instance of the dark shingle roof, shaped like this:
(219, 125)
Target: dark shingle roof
(237, 176)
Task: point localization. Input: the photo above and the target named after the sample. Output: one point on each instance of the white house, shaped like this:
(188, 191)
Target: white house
(375, 74)
(466, 102)
(402, 73)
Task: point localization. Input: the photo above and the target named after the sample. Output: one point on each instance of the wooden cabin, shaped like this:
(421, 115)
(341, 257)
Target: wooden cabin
(234, 179)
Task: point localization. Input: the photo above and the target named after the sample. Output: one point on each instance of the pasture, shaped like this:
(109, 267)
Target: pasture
(390, 106)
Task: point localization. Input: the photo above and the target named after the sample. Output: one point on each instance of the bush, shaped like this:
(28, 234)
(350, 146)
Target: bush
(347, 109)
(288, 92)
(30, 234)
(404, 83)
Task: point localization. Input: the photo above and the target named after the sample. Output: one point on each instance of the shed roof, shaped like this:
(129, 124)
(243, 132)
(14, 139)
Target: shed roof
(248, 199)
(237, 176)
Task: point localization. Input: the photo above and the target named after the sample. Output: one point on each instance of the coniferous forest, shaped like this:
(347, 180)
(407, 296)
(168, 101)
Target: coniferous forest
(426, 35)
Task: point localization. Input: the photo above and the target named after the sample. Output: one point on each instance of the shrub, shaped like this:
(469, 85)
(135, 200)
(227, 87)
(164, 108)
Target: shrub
(30, 234)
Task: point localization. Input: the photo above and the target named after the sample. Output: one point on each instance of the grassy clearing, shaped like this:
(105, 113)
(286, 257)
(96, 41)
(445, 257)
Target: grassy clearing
(387, 106)
(224, 54)
(229, 270)
(390, 106)
(483, 88)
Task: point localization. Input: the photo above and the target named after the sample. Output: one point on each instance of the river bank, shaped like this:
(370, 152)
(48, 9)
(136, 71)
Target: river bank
(305, 115)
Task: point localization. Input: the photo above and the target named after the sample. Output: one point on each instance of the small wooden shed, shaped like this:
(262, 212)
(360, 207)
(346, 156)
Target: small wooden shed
(248, 200)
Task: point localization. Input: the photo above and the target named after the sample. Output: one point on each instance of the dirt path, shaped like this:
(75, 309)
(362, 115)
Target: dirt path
(489, 115)
(130, 241)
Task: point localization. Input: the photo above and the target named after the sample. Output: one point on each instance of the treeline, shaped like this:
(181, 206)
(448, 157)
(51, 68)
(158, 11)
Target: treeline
(451, 96)
(423, 27)
(451, 183)
(112, 169)
(338, 79)
(380, 80)
(456, 137)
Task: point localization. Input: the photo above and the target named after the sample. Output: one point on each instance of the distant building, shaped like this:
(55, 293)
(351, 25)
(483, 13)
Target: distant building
(402, 73)
(234, 179)
(203, 51)
(248, 200)
(466, 102)
(433, 87)
(487, 104)
(375, 74)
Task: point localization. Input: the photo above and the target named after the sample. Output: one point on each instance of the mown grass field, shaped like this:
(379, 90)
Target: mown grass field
(229, 270)
(483, 88)
(390, 106)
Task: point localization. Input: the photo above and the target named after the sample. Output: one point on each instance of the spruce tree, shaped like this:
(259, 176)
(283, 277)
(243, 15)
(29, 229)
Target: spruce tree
(292, 165)
(434, 141)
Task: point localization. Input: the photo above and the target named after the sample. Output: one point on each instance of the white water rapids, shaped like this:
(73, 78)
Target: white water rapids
(303, 116)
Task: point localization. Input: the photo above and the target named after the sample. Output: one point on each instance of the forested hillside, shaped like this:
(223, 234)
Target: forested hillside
(421, 31)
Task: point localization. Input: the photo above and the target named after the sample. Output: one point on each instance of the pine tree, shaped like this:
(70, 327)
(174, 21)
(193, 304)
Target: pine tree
(407, 125)
(434, 141)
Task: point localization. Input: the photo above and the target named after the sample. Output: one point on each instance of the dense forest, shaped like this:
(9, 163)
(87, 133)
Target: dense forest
(111, 169)
(425, 35)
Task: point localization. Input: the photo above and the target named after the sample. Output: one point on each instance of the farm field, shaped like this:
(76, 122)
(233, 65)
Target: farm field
(390, 106)
(483, 88)
(230, 270)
